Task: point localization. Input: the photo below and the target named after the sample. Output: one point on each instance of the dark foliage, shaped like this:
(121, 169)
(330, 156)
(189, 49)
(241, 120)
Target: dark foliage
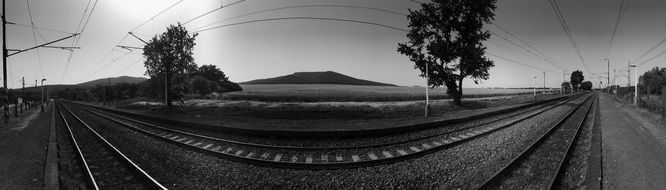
(577, 78)
(652, 81)
(447, 36)
(587, 85)
(169, 54)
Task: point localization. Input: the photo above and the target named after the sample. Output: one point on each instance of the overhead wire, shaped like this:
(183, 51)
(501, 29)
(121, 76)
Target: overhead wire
(209, 12)
(652, 58)
(530, 51)
(155, 16)
(76, 41)
(40, 28)
(126, 35)
(549, 59)
(649, 51)
(34, 36)
(301, 18)
(563, 22)
(301, 6)
(623, 7)
(128, 66)
(520, 63)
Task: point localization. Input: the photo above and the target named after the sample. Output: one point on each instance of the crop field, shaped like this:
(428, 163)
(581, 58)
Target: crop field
(355, 93)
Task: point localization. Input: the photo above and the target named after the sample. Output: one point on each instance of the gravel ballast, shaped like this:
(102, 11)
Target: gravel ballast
(460, 166)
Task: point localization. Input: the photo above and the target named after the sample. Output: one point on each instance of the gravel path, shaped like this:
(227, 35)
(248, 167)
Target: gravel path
(634, 148)
(460, 166)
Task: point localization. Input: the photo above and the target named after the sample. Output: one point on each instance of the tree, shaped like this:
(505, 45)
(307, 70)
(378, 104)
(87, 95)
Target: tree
(201, 85)
(651, 81)
(218, 80)
(446, 36)
(212, 73)
(168, 54)
(577, 78)
(587, 85)
(566, 87)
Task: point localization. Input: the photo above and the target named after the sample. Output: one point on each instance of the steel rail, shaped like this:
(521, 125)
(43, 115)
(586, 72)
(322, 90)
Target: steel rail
(88, 174)
(560, 169)
(498, 175)
(101, 114)
(309, 162)
(149, 180)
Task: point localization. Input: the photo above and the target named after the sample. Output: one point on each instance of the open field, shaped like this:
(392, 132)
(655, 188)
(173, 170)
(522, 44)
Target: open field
(352, 93)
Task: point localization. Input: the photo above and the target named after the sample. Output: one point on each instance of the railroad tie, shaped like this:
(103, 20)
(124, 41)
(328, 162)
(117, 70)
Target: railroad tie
(387, 154)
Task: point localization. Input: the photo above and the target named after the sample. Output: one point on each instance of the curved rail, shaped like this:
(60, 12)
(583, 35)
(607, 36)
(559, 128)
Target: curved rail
(145, 178)
(504, 172)
(311, 159)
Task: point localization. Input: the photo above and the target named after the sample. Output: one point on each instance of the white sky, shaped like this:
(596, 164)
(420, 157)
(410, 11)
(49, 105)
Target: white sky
(268, 49)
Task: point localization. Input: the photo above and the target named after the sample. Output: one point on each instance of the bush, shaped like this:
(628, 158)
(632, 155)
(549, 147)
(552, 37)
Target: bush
(228, 86)
(586, 85)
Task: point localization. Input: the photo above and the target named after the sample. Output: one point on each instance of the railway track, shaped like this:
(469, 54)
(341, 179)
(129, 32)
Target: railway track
(318, 157)
(102, 165)
(542, 163)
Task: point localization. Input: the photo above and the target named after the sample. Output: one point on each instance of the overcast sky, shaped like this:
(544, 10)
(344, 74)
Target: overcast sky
(274, 48)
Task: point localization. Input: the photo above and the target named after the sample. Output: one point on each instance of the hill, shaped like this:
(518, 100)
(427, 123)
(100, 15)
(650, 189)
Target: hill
(328, 77)
(114, 80)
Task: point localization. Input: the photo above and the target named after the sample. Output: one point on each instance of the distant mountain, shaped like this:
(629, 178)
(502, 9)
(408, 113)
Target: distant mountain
(328, 77)
(114, 80)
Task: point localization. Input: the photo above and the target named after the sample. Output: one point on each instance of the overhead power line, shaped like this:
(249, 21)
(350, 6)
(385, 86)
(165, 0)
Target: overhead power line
(303, 6)
(530, 51)
(563, 22)
(649, 51)
(39, 28)
(623, 7)
(528, 45)
(652, 58)
(221, 7)
(125, 37)
(76, 41)
(34, 36)
(158, 14)
(302, 18)
(520, 63)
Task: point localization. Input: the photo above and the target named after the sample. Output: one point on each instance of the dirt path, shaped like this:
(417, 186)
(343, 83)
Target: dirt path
(634, 148)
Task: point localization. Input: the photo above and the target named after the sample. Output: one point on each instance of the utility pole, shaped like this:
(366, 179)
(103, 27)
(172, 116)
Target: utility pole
(43, 94)
(635, 85)
(109, 79)
(4, 46)
(427, 95)
(608, 82)
(534, 87)
(544, 82)
(4, 62)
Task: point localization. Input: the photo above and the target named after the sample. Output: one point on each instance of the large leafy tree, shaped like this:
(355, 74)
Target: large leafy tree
(446, 36)
(212, 73)
(169, 54)
(577, 78)
(652, 80)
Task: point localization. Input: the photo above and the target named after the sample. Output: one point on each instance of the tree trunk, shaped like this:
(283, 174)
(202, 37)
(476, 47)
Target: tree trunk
(457, 98)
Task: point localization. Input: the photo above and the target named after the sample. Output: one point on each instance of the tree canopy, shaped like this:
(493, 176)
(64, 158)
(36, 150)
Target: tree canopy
(577, 78)
(586, 85)
(447, 36)
(652, 80)
(170, 53)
